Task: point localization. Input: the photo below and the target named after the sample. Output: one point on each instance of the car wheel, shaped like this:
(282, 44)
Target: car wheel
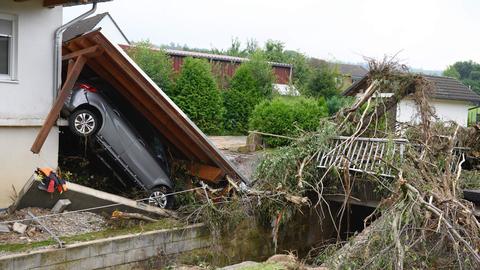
(83, 122)
(159, 197)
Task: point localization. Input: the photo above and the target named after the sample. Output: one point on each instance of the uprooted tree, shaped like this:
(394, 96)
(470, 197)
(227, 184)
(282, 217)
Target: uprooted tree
(422, 221)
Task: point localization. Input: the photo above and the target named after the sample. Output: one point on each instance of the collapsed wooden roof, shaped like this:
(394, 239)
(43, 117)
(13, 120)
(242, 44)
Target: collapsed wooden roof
(114, 66)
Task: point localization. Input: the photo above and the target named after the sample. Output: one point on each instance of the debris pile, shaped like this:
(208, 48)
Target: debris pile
(422, 222)
(24, 230)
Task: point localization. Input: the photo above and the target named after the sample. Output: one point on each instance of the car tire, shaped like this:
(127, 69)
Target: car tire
(158, 197)
(83, 122)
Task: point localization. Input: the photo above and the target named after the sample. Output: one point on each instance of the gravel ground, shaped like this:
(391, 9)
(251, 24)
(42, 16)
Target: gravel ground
(67, 224)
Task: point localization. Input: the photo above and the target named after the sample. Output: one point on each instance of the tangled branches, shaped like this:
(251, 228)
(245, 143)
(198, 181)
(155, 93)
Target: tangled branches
(424, 223)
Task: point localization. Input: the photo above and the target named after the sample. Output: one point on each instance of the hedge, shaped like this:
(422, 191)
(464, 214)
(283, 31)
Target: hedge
(196, 93)
(288, 116)
(251, 84)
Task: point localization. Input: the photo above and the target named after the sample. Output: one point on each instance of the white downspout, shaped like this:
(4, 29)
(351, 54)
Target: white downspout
(57, 62)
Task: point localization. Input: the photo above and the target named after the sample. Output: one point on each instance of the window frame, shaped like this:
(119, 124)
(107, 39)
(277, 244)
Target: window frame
(12, 47)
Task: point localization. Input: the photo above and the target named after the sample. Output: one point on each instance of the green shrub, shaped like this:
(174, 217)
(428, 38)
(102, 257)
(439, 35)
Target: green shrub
(196, 93)
(335, 103)
(255, 75)
(251, 83)
(288, 117)
(238, 107)
(322, 83)
(155, 63)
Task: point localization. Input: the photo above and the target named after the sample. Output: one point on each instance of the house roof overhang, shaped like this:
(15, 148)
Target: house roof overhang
(115, 67)
(52, 3)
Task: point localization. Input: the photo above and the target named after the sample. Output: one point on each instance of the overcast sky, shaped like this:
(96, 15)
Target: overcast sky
(429, 34)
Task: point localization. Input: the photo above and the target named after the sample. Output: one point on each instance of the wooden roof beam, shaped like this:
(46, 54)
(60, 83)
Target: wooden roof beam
(72, 76)
(87, 52)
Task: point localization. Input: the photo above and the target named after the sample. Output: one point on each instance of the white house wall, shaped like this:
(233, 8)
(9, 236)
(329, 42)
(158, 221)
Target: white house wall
(25, 103)
(446, 110)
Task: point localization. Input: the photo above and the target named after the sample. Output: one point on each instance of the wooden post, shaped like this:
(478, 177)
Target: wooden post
(72, 77)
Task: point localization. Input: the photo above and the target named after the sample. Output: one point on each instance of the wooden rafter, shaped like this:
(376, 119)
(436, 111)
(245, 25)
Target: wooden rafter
(73, 72)
(72, 77)
(87, 52)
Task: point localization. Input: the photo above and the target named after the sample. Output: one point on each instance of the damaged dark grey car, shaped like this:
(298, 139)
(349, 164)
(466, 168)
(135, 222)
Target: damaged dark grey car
(90, 115)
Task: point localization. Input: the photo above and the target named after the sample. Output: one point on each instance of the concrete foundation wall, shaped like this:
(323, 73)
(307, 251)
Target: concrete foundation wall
(17, 163)
(122, 252)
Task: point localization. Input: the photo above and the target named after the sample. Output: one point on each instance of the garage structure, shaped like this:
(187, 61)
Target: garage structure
(226, 65)
(114, 66)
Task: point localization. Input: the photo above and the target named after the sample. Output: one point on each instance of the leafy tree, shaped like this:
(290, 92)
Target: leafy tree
(251, 47)
(155, 63)
(251, 83)
(302, 70)
(255, 75)
(197, 95)
(323, 83)
(475, 75)
(466, 71)
(464, 68)
(235, 48)
(274, 51)
(451, 72)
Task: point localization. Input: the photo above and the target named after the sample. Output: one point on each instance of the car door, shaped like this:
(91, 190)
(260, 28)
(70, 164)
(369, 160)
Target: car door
(115, 131)
(143, 163)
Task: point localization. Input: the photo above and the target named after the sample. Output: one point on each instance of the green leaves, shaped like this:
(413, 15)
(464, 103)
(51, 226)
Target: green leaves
(155, 63)
(251, 84)
(197, 95)
(466, 71)
(323, 83)
(287, 116)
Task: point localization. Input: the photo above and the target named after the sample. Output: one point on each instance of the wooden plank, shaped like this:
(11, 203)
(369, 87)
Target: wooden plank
(71, 63)
(87, 52)
(205, 172)
(72, 77)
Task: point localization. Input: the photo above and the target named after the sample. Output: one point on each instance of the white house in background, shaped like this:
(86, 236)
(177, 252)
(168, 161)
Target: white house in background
(451, 100)
(27, 30)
